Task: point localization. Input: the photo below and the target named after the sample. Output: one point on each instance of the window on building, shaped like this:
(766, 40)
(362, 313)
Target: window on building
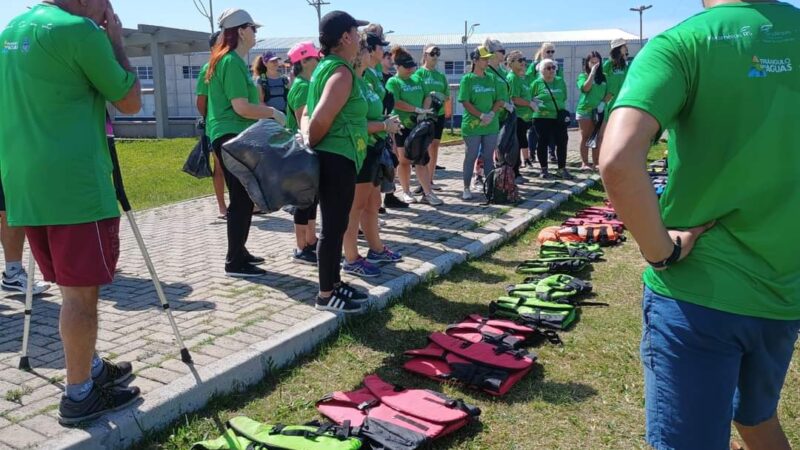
(560, 62)
(144, 72)
(191, 72)
(454, 67)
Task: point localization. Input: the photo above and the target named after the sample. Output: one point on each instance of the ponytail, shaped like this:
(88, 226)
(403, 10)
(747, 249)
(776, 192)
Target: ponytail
(229, 42)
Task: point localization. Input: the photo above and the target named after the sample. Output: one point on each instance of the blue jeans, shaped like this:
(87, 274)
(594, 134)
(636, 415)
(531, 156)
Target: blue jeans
(704, 368)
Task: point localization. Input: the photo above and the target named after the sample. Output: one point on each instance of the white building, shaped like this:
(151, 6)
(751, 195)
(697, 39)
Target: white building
(182, 69)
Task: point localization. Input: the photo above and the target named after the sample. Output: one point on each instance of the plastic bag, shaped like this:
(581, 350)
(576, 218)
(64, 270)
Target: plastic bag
(274, 168)
(197, 164)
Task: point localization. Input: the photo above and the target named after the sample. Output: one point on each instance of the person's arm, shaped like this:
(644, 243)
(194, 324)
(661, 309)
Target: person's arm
(471, 108)
(589, 82)
(334, 97)
(132, 102)
(244, 108)
(299, 113)
(202, 105)
(260, 94)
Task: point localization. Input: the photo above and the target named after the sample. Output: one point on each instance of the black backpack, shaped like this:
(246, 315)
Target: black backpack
(499, 187)
(264, 83)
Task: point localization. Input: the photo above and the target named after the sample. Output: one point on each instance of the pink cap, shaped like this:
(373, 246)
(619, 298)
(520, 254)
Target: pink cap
(303, 50)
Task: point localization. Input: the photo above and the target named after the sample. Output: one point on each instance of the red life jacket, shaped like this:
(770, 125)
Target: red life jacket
(476, 328)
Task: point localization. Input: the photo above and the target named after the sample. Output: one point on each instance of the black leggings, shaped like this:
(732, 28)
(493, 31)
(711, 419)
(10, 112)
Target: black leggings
(551, 130)
(240, 211)
(303, 216)
(522, 138)
(337, 187)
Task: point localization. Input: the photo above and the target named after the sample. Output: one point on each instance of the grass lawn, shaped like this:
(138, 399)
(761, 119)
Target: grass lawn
(586, 394)
(152, 172)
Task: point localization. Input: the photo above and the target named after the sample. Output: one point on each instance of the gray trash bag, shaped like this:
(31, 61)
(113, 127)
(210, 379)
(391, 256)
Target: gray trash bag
(273, 167)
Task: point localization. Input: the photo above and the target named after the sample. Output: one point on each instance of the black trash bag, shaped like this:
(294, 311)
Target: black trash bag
(273, 167)
(198, 164)
(507, 142)
(421, 136)
(385, 168)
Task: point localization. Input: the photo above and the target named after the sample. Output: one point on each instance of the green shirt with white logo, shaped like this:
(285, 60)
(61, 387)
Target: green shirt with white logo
(588, 101)
(520, 88)
(348, 135)
(434, 81)
(374, 107)
(296, 99)
(482, 93)
(231, 80)
(615, 78)
(374, 77)
(57, 71)
(547, 108)
(408, 90)
(726, 84)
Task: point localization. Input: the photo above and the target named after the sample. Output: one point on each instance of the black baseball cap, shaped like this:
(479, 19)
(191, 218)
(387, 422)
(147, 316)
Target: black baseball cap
(375, 39)
(212, 40)
(405, 61)
(334, 24)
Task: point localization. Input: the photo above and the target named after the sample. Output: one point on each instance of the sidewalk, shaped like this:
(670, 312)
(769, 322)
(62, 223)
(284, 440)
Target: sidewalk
(237, 330)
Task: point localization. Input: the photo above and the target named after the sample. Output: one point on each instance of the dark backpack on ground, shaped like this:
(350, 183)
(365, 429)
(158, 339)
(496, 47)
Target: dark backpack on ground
(392, 417)
(500, 188)
(492, 368)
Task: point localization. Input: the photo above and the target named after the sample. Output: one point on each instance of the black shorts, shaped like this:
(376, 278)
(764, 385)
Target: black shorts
(439, 128)
(522, 132)
(400, 138)
(2, 198)
(369, 168)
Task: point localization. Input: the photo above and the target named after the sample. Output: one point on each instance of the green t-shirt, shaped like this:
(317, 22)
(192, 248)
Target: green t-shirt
(57, 71)
(503, 89)
(482, 93)
(547, 110)
(434, 81)
(374, 78)
(726, 84)
(520, 88)
(408, 90)
(348, 134)
(231, 80)
(296, 99)
(588, 101)
(202, 87)
(374, 107)
(615, 78)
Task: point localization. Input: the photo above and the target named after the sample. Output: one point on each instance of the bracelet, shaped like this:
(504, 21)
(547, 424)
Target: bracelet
(672, 259)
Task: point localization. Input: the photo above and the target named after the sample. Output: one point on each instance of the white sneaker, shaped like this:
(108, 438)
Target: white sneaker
(432, 199)
(407, 197)
(466, 195)
(381, 223)
(19, 282)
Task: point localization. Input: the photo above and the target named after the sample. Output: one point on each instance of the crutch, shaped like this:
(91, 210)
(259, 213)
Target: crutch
(24, 363)
(126, 207)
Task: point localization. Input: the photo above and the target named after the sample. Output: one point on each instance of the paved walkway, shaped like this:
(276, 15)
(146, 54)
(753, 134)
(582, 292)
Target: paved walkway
(237, 330)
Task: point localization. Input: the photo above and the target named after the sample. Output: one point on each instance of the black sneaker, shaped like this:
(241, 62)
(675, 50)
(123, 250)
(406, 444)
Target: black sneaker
(545, 175)
(381, 210)
(438, 167)
(245, 271)
(100, 401)
(418, 190)
(255, 259)
(350, 292)
(311, 248)
(391, 201)
(337, 303)
(306, 256)
(113, 374)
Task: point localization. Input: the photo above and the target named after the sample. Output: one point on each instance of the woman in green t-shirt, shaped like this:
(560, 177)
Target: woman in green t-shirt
(616, 70)
(521, 97)
(367, 200)
(478, 93)
(409, 98)
(337, 131)
(434, 81)
(550, 93)
(592, 87)
(304, 58)
(232, 107)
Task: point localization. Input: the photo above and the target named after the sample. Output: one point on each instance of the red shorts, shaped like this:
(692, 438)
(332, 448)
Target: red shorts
(78, 255)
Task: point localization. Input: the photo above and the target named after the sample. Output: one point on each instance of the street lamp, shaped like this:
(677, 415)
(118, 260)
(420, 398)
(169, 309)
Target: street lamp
(466, 36)
(641, 11)
(208, 13)
(317, 4)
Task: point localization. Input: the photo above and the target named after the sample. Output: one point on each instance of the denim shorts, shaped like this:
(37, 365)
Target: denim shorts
(704, 368)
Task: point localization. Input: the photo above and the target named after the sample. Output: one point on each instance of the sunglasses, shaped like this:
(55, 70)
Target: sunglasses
(550, 68)
(550, 52)
(251, 26)
(522, 60)
(435, 53)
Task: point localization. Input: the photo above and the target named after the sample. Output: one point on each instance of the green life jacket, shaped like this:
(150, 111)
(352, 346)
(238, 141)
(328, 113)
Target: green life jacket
(247, 434)
(563, 264)
(552, 249)
(557, 288)
(534, 312)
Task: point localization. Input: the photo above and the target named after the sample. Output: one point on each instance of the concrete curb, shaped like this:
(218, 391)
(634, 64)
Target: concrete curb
(233, 373)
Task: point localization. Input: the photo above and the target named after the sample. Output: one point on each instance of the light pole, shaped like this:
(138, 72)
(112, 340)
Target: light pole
(208, 13)
(466, 36)
(641, 11)
(317, 4)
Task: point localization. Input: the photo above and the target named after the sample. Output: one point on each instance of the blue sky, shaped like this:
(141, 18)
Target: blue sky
(289, 18)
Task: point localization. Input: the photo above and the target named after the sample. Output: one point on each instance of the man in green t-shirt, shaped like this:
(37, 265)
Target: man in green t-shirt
(722, 295)
(56, 173)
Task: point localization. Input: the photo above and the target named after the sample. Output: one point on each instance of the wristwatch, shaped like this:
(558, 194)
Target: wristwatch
(672, 259)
